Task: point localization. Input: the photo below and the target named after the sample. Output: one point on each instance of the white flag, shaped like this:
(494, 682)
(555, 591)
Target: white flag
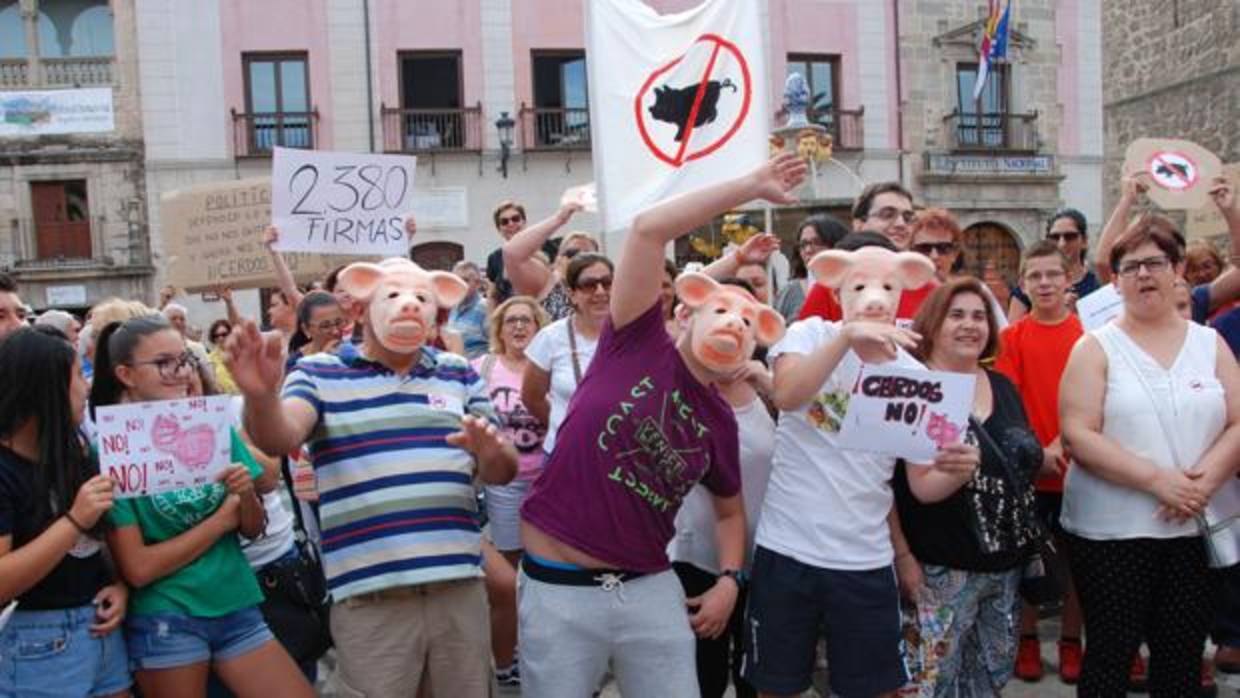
(677, 101)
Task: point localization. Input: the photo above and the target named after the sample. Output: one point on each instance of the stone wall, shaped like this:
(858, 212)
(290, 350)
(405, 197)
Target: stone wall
(1171, 69)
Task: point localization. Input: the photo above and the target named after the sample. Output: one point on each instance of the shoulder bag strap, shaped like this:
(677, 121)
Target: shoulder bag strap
(488, 365)
(572, 345)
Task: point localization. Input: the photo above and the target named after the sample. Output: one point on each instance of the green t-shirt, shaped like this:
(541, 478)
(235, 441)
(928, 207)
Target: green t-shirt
(217, 583)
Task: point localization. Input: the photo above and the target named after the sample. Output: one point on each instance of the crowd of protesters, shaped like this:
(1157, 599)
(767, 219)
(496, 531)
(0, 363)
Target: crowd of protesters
(562, 465)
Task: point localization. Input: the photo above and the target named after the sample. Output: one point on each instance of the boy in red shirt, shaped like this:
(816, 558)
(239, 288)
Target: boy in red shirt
(1033, 353)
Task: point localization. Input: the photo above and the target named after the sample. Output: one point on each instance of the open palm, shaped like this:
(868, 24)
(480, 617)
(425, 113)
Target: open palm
(255, 360)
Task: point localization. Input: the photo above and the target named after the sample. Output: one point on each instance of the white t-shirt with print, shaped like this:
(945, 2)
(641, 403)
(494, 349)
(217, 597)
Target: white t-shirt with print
(550, 351)
(826, 506)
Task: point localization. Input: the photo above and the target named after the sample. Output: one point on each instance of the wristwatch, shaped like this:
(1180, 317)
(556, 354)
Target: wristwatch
(737, 576)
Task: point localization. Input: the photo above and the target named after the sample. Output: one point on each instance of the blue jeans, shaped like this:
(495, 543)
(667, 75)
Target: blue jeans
(52, 654)
(167, 640)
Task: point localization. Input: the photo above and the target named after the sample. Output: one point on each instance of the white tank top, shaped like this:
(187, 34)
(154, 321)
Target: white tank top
(1194, 408)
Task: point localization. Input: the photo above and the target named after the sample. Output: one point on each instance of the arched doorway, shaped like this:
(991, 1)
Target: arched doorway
(437, 255)
(989, 249)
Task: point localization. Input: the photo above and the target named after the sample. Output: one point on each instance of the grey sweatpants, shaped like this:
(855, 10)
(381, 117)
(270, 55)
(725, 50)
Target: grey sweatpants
(567, 634)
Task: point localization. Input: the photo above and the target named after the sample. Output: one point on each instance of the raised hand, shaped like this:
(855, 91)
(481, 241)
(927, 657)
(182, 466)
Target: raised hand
(255, 360)
(1134, 184)
(878, 338)
(93, 500)
(1224, 196)
(271, 235)
(776, 180)
(757, 249)
(478, 436)
(411, 225)
(567, 210)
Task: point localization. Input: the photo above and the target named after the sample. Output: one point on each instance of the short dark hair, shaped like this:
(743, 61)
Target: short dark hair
(737, 282)
(1151, 227)
(1078, 219)
(669, 268)
(865, 238)
(829, 231)
(1042, 248)
(933, 312)
(581, 262)
(7, 283)
(861, 207)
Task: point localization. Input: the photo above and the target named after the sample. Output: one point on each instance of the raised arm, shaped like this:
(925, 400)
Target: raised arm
(1226, 288)
(756, 250)
(256, 362)
(1131, 187)
(640, 269)
(527, 275)
(230, 306)
(284, 278)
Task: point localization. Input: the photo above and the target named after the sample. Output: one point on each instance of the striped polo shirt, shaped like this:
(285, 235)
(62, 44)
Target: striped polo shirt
(396, 502)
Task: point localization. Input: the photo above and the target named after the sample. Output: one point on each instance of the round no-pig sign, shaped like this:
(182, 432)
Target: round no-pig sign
(691, 106)
(1172, 170)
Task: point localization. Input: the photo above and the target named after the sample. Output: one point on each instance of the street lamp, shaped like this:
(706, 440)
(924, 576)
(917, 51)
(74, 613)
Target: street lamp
(504, 125)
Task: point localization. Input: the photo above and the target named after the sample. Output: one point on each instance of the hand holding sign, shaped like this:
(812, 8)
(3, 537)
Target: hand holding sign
(913, 414)
(878, 341)
(585, 196)
(93, 500)
(343, 203)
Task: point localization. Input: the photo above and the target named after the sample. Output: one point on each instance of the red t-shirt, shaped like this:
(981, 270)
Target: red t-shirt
(821, 303)
(1033, 356)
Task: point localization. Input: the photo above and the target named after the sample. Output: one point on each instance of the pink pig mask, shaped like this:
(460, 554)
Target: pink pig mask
(726, 323)
(868, 281)
(401, 299)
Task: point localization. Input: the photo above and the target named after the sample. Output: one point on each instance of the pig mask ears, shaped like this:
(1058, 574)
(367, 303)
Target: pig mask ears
(360, 280)
(694, 289)
(830, 267)
(770, 326)
(449, 288)
(915, 270)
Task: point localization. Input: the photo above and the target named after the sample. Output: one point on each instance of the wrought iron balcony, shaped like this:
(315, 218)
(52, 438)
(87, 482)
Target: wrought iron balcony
(254, 135)
(432, 130)
(992, 132)
(554, 128)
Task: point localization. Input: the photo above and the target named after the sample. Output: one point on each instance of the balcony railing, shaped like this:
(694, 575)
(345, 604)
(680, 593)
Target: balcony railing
(80, 71)
(846, 126)
(13, 72)
(254, 135)
(1000, 131)
(432, 130)
(554, 128)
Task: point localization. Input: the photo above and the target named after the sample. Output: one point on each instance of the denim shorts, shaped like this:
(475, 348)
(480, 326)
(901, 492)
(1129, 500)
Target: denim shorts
(166, 639)
(52, 654)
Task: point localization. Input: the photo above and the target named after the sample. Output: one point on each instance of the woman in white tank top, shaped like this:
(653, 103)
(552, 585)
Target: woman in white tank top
(1150, 411)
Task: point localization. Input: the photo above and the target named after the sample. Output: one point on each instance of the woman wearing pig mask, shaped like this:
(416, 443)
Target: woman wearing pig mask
(825, 554)
(647, 425)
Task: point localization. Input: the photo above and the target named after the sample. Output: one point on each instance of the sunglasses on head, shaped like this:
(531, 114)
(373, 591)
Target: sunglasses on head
(1069, 236)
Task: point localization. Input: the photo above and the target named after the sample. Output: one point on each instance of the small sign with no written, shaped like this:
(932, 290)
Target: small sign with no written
(907, 413)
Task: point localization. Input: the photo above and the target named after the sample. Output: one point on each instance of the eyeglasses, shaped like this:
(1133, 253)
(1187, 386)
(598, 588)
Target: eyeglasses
(169, 366)
(808, 244)
(1068, 236)
(1152, 265)
(514, 320)
(942, 249)
(329, 325)
(1037, 277)
(888, 213)
(219, 336)
(592, 285)
(508, 220)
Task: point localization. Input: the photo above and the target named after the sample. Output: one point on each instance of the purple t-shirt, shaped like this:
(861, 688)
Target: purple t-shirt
(641, 431)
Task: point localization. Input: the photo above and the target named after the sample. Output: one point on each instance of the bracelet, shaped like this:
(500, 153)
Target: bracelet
(78, 526)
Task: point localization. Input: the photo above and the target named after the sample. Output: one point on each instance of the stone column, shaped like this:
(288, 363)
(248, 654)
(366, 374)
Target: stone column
(30, 17)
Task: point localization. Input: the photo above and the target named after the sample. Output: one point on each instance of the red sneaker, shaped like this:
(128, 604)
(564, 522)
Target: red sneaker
(1138, 676)
(1070, 660)
(1029, 659)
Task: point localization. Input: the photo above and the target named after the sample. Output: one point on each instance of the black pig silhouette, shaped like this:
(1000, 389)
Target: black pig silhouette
(673, 105)
(1171, 169)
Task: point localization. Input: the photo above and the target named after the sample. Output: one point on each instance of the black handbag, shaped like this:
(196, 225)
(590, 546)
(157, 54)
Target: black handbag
(1042, 574)
(297, 606)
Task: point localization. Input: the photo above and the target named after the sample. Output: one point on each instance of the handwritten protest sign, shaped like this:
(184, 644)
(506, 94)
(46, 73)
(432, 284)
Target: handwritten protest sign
(1099, 307)
(154, 447)
(342, 203)
(907, 413)
(213, 235)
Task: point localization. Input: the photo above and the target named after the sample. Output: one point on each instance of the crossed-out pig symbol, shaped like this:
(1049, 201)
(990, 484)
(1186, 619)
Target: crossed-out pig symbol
(193, 446)
(673, 105)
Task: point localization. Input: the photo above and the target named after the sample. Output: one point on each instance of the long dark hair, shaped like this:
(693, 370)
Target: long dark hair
(36, 369)
(115, 346)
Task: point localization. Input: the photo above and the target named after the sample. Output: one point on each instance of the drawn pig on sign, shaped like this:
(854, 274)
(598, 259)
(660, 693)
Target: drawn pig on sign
(673, 105)
(193, 447)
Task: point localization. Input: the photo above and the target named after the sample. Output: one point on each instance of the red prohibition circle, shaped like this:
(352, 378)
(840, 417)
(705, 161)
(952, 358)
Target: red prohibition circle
(1188, 184)
(682, 157)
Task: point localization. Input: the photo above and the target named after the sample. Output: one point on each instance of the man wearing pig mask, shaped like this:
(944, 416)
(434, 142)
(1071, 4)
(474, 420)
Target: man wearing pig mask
(825, 558)
(397, 431)
(646, 424)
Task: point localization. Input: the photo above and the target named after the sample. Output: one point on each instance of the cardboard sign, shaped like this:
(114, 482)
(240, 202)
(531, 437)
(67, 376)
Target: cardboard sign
(1207, 222)
(342, 203)
(1179, 172)
(907, 413)
(154, 447)
(1099, 307)
(213, 235)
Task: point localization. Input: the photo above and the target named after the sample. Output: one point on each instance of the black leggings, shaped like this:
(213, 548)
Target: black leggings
(719, 658)
(1157, 590)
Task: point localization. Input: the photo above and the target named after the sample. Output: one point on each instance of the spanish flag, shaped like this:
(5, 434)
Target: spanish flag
(994, 42)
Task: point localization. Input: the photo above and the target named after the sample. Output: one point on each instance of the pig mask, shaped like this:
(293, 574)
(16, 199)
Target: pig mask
(726, 323)
(401, 299)
(868, 281)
